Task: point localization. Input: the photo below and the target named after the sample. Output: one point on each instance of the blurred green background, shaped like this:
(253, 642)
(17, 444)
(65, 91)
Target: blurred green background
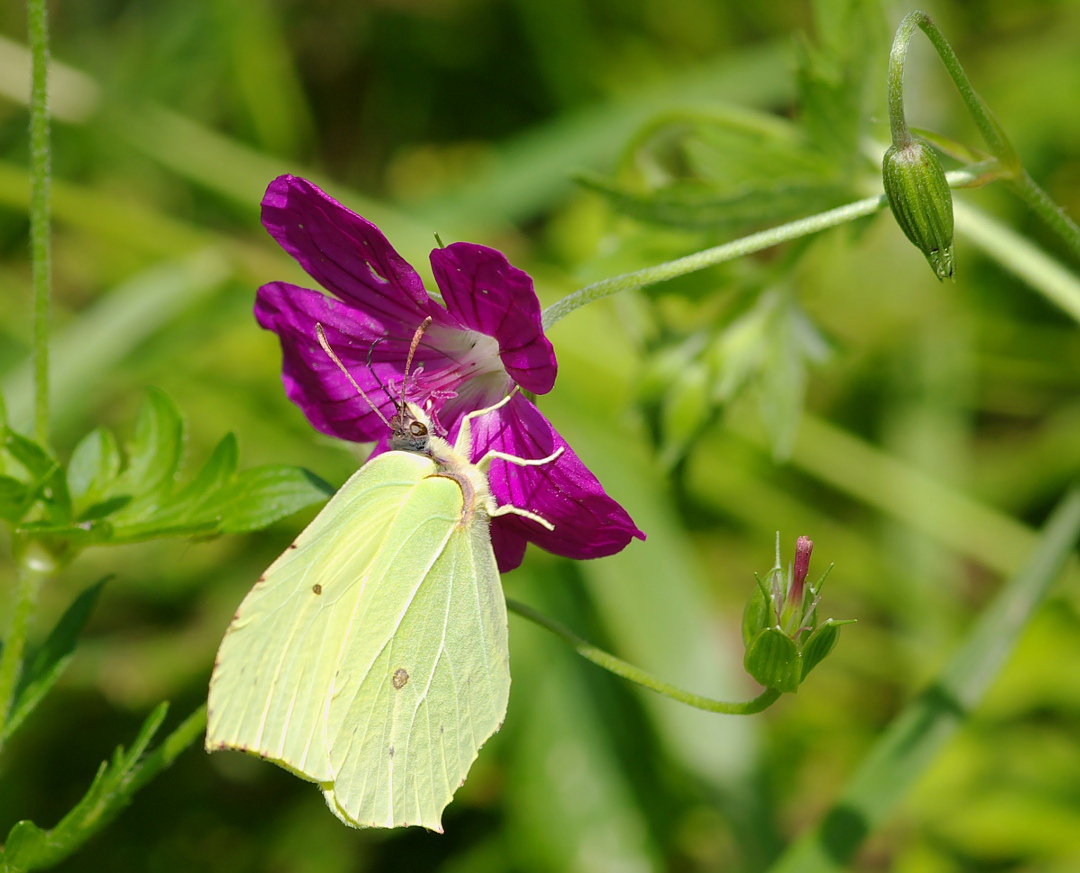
(940, 426)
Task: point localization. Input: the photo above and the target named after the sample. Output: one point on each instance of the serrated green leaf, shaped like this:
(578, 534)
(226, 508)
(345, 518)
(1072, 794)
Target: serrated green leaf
(773, 660)
(153, 455)
(819, 644)
(111, 790)
(196, 502)
(833, 73)
(44, 667)
(699, 205)
(14, 499)
(22, 848)
(94, 466)
(263, 495)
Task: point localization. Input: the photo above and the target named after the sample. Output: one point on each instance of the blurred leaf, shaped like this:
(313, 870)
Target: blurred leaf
(14, 499)
(44, 667)
(699, 206)
(833, 73)
(153, 455)
(94, 466)
(112, 789)
(22, 847)
(35, 459)
(726, 170)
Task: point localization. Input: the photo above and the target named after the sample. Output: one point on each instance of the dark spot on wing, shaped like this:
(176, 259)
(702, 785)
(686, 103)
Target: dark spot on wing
(391, 751)
(317, 588)
(401, 676)
(292, 545)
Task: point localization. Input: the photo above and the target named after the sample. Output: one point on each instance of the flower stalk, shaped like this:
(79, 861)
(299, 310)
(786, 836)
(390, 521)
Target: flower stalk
(638, 676)
(40, 178)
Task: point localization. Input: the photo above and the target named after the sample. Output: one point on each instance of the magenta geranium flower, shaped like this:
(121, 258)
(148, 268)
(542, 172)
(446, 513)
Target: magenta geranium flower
(487, 338)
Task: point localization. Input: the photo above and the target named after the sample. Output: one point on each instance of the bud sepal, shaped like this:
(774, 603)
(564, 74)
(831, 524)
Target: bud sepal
(921, 202)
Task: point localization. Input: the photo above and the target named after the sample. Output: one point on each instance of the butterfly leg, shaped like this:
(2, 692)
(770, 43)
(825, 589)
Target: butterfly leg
(463, 446)
(495, 511)
(485, 462)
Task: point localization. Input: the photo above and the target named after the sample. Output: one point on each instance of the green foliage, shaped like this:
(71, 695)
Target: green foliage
(938, 431)
(103, 501)
(44, 667)
(28, 847)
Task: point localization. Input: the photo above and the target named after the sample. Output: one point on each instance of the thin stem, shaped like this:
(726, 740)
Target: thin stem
(901, 136)
(1047, 210)
(32, 569)
(40, 175)
(634, 674)
(917, 734)
(746, 245)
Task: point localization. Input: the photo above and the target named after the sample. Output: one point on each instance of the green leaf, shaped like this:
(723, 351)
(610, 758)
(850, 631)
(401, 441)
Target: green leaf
(153, 455)
(109, 793)
(700, 206)
(22, 848)
(116, 782)
(262, 495)
(44, 667)
(93, 467)
(773, 660)
(35, 459)
(14, 499)
(833, 73)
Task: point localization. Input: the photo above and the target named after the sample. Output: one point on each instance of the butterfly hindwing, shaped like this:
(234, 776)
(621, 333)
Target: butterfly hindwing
(372, 656)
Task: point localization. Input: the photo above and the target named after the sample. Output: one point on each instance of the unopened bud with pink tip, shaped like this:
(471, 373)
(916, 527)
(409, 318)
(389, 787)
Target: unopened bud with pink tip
(783, 637)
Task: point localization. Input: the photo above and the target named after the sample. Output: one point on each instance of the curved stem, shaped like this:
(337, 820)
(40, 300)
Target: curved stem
(746, 245)
(40, 173)
(634, 674)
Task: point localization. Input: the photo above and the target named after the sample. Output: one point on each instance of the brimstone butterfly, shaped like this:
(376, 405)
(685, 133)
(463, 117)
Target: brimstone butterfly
(372, 656)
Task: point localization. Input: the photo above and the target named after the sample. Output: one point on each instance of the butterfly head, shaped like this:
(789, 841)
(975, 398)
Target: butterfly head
(410, 429)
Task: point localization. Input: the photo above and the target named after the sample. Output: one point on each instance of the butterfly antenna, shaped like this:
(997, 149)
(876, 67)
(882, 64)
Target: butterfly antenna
(412, 351)
(321, 334)
(374, 375)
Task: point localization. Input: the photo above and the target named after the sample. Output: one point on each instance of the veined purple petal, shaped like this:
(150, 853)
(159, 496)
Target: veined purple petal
(346, 254)
(484, 292)
(588, 523)
(312, 381)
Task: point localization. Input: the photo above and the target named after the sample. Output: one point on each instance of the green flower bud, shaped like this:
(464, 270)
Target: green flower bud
(921, 202)
(757, 616)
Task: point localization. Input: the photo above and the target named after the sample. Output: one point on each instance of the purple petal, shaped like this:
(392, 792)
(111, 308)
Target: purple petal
(345, 253)
(588, 523)
(485, 292)
(312, 381)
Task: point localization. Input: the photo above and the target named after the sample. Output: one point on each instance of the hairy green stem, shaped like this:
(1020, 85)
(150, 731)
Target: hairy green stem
(1014, 174)
(634, 674)
(911, 743)
(40, 175)
(984, 118)
(746, 245)
(1041, 204)
(31, 571)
